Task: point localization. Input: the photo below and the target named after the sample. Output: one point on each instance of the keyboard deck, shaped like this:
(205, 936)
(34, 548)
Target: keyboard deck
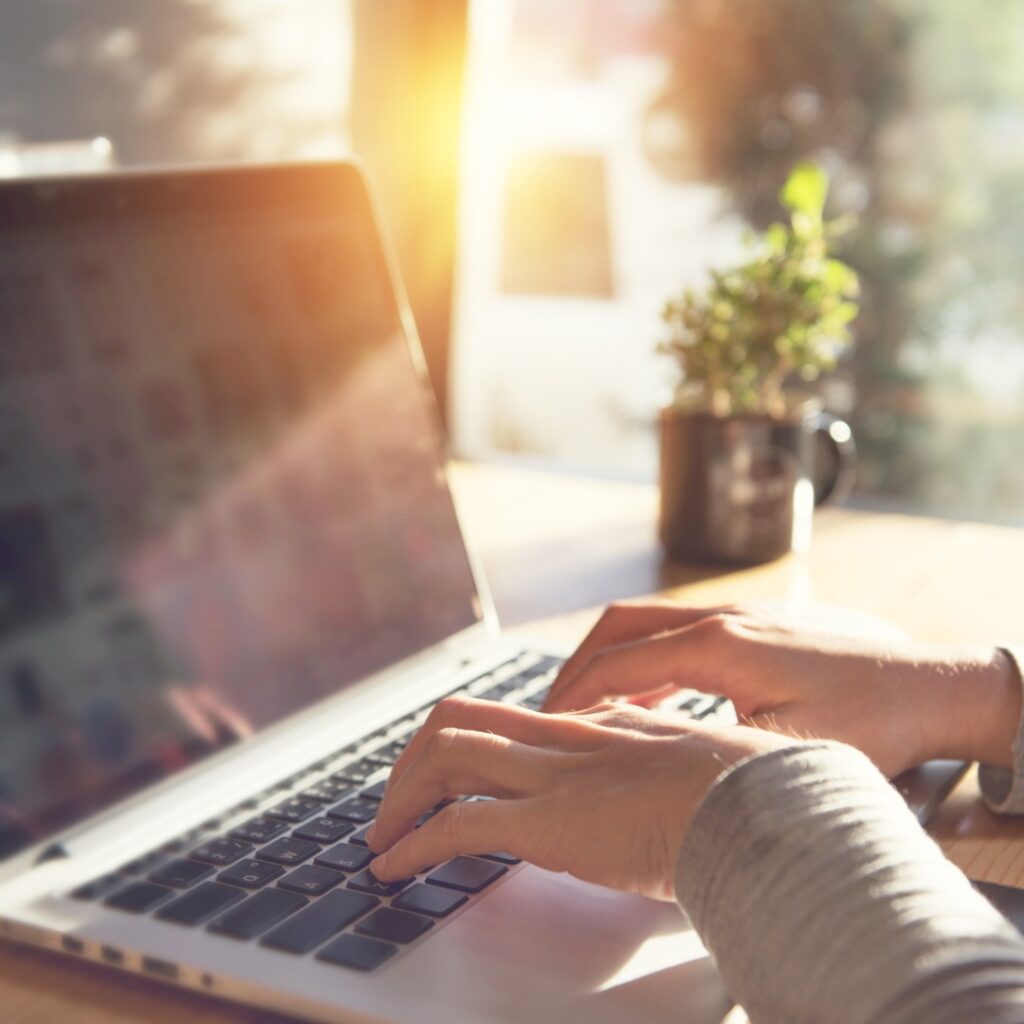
(288, 867)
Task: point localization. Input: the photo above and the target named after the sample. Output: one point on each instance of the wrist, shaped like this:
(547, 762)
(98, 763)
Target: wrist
(976, 706)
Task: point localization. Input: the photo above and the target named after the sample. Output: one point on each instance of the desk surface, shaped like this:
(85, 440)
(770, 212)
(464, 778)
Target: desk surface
(556, 549)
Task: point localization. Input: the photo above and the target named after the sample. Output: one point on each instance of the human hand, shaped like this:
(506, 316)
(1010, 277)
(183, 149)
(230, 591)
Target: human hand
(900, 702)
(606, 794)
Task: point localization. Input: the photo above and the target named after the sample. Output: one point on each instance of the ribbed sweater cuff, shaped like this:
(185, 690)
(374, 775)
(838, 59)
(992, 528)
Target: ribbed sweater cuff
(1003, 789)
(821, 899)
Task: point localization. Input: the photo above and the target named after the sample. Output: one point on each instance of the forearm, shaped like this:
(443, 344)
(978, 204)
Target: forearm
(821, 899)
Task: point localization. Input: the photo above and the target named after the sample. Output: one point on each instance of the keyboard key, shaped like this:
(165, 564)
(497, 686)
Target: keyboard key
(501, 690)
(376, 791)
(356, 952)
(98, 887)
(386, 755)
(365, 882)
(355, 809)
(713, 708)
(323, 830)
(359, 836)
(357, 772)
(467, 874)
(181, 873)
(142, 864)
(319, 922)
(139, 897)
(541, 667)
(250, 874)
(200, 904)
(258, 913)
(327, 792)
(394, 925)
(390, 752)
(311, 880)
(288, 851)
(295, 809)
(430, 899)
(221, 852)
(258, 830)
(502, 858)
(345, 857)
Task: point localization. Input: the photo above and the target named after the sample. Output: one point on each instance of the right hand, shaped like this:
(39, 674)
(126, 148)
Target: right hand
(607, 794)
(900, 702)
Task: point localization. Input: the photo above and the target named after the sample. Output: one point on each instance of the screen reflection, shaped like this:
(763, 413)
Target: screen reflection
(220, 497)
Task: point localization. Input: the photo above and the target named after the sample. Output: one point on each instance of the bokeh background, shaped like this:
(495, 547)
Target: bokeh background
(551, 172)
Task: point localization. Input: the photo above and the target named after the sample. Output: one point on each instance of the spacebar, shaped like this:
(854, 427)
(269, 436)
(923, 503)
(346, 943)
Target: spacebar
(327, 917)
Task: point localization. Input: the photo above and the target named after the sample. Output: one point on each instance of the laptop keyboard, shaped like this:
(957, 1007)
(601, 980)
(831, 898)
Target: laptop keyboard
(288, 867)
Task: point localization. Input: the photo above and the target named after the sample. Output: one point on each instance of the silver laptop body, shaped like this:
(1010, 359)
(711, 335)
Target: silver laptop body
(231, 575)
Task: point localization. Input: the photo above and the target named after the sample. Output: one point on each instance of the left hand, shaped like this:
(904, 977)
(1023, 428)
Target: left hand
(899, 701)
(606, 794)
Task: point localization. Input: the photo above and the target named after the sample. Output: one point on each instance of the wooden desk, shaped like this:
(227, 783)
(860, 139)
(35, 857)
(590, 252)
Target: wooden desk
(556, 550)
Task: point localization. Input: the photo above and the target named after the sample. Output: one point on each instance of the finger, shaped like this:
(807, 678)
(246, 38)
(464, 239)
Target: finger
(457, 762)
(620, 624)
(693, 656)
(476, 826)
(652, 698)
(492, 716)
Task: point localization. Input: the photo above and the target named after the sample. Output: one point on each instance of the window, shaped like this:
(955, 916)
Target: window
(614, 150)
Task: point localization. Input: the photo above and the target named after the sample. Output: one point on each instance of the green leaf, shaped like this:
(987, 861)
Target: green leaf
(777, 238)
(837, 275)
(805, 190)
(847, 312)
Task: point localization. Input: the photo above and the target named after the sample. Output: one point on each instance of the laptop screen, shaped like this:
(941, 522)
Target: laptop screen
(221, 493)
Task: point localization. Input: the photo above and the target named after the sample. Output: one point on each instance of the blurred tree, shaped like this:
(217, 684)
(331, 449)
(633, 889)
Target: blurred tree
(914, 106)
(164, 80)
(757, 86)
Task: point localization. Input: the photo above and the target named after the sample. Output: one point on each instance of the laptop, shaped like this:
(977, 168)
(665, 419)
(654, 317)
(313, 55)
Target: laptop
(232, 585)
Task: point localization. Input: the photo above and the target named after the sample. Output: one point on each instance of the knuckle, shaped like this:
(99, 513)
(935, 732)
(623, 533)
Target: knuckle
(444, 741)
(620, 716)
(449, 708)
(615, 614)
(451, 823)
(596, 713)
(717, 626)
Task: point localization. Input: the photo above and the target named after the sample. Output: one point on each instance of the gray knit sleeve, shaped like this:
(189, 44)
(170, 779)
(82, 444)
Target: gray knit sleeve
(1002, 788)
(821, 899)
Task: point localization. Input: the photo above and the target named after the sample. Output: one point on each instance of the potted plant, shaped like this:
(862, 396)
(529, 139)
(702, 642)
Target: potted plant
(738, 442)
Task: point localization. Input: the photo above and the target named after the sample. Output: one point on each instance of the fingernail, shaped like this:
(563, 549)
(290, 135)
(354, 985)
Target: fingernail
(371, 835)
